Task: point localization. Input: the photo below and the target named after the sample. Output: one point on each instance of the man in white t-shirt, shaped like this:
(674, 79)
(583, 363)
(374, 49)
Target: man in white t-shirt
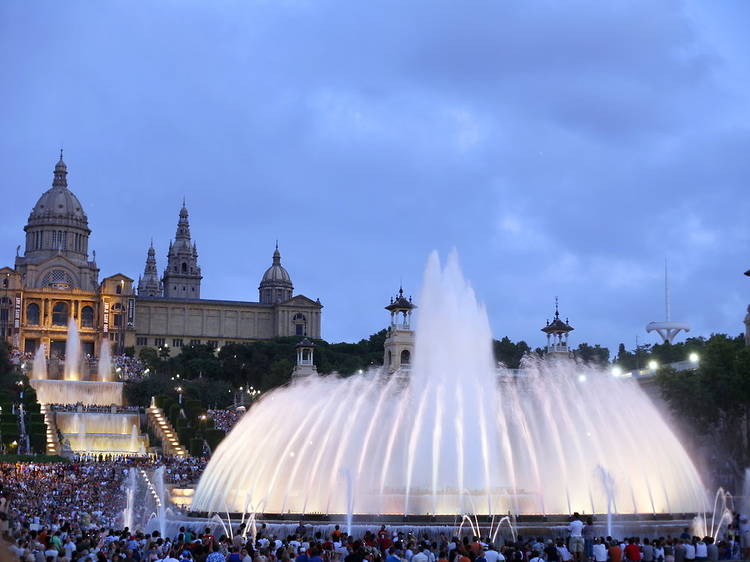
(689, 550)
(492, 555)
(599, 551)
(576, 542)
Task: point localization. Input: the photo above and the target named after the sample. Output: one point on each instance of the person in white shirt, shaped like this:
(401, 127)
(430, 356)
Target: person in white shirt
(689, 550)
(492, 555)
(576, 537)
(701, 551)
(600, 551)
(420, 556)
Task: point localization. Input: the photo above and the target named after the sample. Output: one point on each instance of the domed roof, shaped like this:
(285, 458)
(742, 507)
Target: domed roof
(276, 275)
(59, 201)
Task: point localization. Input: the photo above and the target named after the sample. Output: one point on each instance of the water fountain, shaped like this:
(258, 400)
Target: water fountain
(109, 430)
(457, 438)
(104, 373)
(39, 368)
(72, 353)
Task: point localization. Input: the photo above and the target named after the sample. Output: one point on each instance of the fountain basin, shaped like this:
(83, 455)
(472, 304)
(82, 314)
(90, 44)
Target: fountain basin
(93, 393)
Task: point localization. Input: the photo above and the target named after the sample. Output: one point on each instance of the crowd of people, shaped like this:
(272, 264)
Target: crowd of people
(225, 419)
(128, 368)
(90, 538)
(80, 407)
(73, 512)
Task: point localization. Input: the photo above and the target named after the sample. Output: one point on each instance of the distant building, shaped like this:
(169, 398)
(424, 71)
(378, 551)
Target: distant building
(170, 313)
(54, 280)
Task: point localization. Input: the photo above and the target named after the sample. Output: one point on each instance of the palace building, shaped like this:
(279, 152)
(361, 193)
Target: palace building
(55, 281)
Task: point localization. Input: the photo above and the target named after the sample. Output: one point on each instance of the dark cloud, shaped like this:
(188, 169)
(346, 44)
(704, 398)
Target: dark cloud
(563, 149)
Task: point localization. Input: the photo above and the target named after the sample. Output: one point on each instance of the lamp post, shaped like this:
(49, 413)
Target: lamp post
(179, 394)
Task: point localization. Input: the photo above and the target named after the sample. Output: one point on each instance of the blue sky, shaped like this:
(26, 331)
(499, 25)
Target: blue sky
(562, 148)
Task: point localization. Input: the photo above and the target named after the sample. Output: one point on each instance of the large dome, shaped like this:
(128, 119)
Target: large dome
(59, 202)
(276, 275)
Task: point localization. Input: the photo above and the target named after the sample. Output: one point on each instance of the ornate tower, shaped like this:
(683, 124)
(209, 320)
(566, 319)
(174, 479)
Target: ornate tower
(305, 365)
(57, 240)
(276, 285)
(149, 285)
(399, 341)
(557, 335)
(182, 276)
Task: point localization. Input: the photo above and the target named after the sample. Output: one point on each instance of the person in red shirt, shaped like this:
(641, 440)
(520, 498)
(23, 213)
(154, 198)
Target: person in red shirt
(632, 551)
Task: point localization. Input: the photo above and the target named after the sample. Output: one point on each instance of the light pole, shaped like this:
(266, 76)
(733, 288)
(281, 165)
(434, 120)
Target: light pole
(179, 394)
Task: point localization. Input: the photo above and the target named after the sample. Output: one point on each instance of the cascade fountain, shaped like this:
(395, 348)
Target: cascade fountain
(456, 437)
(39, 368)
(105, 362)
(86, 430)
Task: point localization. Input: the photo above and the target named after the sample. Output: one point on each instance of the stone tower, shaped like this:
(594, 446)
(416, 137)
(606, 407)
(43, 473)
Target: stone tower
(557, 335)
(182, 276)
(399, 340)
(276, 285)
(149, 285)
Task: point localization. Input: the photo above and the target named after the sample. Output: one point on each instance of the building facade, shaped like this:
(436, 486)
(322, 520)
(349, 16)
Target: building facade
(54, 282)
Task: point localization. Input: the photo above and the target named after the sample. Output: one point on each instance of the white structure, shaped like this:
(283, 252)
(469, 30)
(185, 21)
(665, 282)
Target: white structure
(668, 329)
(305, 365)
(399, 341)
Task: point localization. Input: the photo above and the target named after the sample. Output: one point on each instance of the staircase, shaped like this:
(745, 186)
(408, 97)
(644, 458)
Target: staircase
(161, 427)
(53, 442)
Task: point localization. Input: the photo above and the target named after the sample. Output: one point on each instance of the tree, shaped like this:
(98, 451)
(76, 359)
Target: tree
(592, 354)
(714, 399)
(508, 353)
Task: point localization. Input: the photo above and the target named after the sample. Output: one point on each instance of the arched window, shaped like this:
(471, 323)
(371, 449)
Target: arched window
(300, 324)
(118, 289)
(184, 267)
(60, 314)
(405, 357)
(32, 314)
(390, 358)
(87, 317)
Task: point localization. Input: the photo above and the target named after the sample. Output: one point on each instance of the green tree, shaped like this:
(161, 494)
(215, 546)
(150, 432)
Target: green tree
(508, 353)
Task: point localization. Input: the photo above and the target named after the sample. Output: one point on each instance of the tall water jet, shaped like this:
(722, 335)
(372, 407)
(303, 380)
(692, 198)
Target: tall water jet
(161, 499)
(454, 435)
(105, 362)
(39, 368)
(81, 432)
(72, 353)
(130, 490)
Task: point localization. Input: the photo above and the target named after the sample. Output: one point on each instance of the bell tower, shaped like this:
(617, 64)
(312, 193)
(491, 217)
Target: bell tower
(399, 340)
(182, 277)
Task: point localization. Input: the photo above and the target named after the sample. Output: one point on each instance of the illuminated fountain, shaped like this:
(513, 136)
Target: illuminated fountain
(39, 367)
(112, 431)
(454, 436)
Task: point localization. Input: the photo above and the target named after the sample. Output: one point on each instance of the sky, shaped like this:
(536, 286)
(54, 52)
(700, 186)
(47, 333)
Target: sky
(562, 149)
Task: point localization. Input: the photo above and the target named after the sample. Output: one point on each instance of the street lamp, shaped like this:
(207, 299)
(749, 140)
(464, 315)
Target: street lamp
(694, 358)
(653, 365)
(179, 394)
